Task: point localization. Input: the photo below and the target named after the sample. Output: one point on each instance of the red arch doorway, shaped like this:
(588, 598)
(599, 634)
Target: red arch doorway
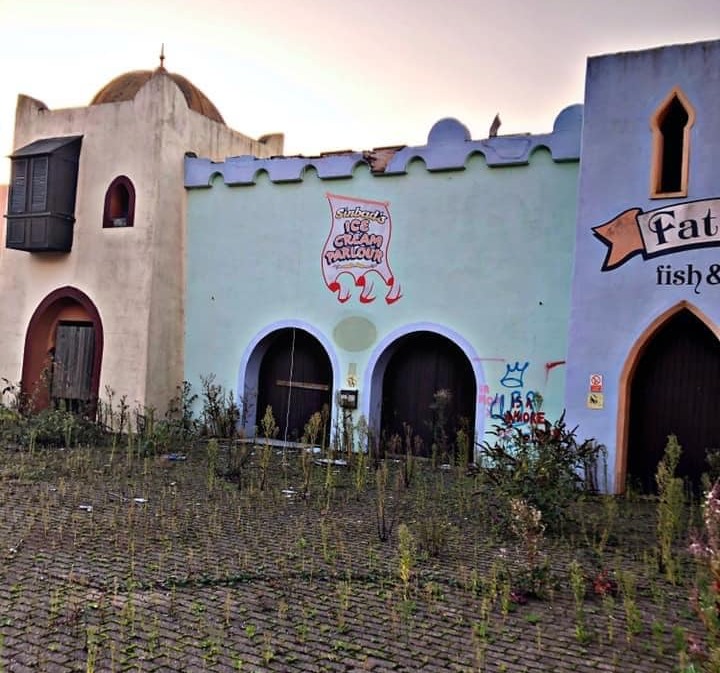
(63, 353)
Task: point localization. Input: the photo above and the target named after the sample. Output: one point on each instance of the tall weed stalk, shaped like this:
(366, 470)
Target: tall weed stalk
(670, 508)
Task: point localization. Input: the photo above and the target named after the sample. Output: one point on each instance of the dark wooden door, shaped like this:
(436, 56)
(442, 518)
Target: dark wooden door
(423, 364)
(675, 390)
(72, 364)
(295, 380)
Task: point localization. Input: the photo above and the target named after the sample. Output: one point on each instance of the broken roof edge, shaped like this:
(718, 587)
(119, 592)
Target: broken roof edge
(448, 147)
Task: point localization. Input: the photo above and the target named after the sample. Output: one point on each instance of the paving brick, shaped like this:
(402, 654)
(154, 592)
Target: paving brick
(202, 581)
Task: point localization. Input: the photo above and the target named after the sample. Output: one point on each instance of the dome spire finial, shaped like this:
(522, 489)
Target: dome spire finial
(162, 55)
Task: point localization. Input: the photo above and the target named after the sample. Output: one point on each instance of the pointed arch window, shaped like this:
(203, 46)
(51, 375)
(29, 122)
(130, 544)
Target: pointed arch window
(671, 126)
(119, 208)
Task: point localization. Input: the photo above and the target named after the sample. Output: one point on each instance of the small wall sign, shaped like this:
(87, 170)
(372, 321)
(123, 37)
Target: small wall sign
(596, 383)
(349, 399)
(595, 401)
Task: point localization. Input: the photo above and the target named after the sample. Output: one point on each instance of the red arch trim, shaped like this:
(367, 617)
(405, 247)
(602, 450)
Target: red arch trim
(34, 331)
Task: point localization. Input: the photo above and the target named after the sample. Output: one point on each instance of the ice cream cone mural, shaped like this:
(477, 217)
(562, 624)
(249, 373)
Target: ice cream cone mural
(356, 246)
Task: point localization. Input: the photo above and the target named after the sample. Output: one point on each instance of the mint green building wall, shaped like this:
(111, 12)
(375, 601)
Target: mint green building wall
(480, 250)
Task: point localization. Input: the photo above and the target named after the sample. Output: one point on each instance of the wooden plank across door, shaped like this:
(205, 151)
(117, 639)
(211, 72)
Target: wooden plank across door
(302, 384)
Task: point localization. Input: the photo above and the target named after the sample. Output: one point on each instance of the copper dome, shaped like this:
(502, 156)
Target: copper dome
(126, 86)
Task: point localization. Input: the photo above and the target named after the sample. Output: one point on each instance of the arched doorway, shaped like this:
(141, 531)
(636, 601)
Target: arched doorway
(422, 366)
(675, 388)
(295, 380)
(63, 353)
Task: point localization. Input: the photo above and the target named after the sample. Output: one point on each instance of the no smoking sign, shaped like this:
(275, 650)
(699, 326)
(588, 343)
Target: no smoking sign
(596, 383)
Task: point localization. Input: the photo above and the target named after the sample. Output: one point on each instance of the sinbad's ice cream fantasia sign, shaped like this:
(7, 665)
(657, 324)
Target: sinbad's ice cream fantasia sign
(358, 244)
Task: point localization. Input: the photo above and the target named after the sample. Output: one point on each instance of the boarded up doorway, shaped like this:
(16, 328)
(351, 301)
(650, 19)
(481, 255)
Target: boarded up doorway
(295, 379)
(422, 365)
(71, 386)
(675, 389)
(63, 353)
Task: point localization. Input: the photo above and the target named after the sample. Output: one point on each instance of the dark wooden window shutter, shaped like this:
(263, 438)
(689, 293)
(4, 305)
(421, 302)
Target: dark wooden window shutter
(41, 203)
(39, 184)
(18, 187)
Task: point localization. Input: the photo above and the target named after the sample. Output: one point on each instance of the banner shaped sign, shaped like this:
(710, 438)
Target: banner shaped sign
(358, 244)
(694, 224)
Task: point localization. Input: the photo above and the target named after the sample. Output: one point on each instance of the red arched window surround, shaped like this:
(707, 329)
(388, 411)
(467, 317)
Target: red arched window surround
(119, 208)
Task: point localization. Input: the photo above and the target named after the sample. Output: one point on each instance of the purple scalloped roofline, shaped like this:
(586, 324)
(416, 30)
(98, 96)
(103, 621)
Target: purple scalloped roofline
(448, 147)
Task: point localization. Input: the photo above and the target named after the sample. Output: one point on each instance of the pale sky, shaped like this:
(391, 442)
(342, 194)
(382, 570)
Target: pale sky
(338, 74)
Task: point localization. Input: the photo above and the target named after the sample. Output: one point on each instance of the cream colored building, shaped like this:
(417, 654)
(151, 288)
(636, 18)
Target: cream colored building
(104, 308)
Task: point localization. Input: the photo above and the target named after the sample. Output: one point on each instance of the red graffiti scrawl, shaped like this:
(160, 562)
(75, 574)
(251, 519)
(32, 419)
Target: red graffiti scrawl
(356, 246)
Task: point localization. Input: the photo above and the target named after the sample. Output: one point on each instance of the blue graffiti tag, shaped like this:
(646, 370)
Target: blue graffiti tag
(516, 407)
(513, 377)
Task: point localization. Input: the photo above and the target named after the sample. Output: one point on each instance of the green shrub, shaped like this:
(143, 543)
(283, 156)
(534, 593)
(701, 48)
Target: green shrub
(704, 648)
(542, 464)
(433, 534)
(220, 413)
(182, 424)
(59, 427)
(11, 425)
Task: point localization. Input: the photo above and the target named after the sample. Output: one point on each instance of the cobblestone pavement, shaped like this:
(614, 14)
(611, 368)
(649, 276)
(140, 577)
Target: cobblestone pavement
(109, 562)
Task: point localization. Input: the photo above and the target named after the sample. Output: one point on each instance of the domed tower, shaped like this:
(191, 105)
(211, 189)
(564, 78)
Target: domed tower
(92, 271)
(126, 86)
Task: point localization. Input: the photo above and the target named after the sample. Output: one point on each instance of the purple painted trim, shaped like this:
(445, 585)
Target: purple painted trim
(371, 399)
(249, 369)
(448, 148)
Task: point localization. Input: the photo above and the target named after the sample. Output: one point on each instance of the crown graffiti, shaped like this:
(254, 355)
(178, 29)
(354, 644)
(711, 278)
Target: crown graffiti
(513, 377)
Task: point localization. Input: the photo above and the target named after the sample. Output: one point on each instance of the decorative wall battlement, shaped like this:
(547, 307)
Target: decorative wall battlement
(448, 147)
